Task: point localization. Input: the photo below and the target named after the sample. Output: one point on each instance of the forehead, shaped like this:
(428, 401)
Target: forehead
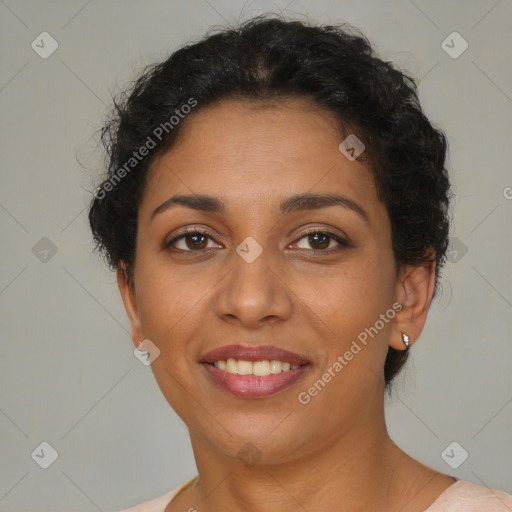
(250, 153)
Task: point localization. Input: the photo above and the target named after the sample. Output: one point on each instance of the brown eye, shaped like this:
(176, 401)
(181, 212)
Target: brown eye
(191, 241)
(321, 241)
(195, 241)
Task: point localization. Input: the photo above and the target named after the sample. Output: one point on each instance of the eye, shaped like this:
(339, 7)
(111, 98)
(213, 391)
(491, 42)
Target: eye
(321, 240)
(193, 240)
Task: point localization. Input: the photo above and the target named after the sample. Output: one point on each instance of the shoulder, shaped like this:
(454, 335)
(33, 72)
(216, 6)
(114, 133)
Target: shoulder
(470, 497)
(157, 504)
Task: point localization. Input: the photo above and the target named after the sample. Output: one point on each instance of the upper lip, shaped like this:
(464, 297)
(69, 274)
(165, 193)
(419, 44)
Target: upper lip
(253, 353)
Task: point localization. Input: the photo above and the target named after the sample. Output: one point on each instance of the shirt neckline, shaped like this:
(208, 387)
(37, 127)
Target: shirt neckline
(445, 493)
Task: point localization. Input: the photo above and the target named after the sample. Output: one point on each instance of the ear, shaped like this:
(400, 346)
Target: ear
(414, 291)
(129, 297)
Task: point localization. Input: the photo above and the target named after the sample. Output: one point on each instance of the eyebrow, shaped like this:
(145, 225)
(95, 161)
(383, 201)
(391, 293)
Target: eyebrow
(299, 202)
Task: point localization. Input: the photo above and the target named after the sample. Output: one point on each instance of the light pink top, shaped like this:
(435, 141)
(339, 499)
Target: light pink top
(462, 496)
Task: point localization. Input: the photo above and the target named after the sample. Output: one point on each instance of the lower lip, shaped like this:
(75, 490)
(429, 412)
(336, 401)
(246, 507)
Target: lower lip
(252, 386)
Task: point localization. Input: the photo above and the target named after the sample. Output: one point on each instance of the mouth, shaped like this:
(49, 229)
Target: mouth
(254, 372)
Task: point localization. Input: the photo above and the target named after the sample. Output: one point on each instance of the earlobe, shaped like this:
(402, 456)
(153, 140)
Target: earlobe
(128, 296)
(414, 291)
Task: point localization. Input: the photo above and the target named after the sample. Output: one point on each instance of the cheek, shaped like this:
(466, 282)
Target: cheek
(347, 303)
(346, 297)
(169, 302)
(171, 309)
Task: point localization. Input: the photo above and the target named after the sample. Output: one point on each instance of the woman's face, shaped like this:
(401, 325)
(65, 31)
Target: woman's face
(256, 276)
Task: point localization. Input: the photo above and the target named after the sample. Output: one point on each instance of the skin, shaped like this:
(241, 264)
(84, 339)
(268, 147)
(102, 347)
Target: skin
(297, 295)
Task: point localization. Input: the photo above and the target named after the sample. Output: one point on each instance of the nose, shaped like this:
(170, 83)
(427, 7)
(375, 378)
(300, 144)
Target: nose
(254, 293)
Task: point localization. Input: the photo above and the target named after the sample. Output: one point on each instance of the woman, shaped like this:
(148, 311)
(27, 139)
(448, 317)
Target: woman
(276, 209)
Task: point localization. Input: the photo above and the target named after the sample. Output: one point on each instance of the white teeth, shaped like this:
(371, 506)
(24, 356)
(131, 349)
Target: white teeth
(261, 368)
(244, 367)
(258, 368)
(232, 366)
(275, 366)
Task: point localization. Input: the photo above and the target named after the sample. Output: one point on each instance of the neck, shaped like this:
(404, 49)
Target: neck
(356, 467)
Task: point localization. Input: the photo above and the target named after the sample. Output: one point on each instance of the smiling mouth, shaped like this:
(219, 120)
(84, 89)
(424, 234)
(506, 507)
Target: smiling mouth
(254, 372)
(256, 368)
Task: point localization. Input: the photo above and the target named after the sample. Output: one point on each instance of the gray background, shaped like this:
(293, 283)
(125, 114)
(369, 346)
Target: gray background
(69, 375)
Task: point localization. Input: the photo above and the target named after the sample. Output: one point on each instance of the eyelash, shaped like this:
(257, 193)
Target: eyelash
(195, 231)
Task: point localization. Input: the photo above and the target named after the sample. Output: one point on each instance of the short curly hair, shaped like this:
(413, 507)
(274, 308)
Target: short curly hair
(269, 58)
